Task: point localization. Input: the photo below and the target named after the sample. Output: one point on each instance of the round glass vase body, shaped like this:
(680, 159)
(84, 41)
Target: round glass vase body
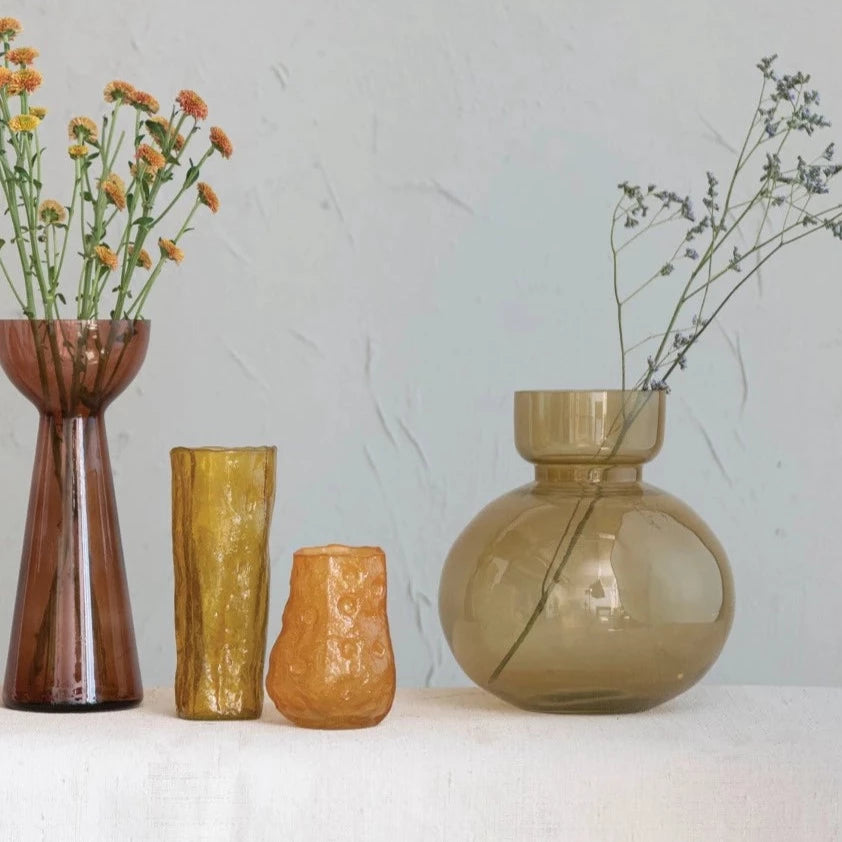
(587, 590)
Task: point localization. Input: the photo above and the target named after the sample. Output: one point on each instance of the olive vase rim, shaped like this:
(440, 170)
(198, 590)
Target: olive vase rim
(613, 392)
(589, 427)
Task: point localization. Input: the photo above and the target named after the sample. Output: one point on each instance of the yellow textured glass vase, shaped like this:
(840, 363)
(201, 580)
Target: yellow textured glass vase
(222, 510)
(587, 590)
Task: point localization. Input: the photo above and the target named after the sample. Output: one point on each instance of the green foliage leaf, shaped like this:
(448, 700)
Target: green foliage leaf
(192, 175)
(144, 220)
(157, 131)
(61, 298)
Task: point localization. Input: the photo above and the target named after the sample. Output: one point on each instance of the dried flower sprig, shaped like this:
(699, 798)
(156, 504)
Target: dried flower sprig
(766, 211)
(777, 211)
(111, 218)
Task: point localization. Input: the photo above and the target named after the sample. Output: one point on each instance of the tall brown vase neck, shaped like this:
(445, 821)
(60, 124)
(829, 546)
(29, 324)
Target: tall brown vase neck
(588, 474)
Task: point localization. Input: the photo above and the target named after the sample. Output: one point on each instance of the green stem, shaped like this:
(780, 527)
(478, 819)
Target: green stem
(144, 230)
(12, 285)
(182, 190)
(10, 190)
(70, 212)
(32, 224)
(618, 302)
(135, 311)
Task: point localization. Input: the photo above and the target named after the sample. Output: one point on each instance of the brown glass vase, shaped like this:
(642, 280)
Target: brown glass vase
(72, 644)
(332, 665)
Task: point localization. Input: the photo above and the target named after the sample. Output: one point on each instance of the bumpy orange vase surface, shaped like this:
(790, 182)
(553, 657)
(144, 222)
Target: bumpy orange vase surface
(332, 665)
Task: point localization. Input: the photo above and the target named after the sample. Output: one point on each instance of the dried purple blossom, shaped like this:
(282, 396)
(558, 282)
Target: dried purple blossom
(771, 210)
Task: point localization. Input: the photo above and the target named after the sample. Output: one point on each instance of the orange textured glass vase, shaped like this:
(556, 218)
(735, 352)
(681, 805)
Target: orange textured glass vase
(72, 645)
(332, 665)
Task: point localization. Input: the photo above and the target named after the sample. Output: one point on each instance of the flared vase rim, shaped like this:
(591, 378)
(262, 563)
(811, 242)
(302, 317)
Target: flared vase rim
(588, 392)
(337, 551)
(98, 322)
(212, 448)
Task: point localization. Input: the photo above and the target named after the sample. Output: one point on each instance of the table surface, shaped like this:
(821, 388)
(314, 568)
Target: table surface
(720, 763)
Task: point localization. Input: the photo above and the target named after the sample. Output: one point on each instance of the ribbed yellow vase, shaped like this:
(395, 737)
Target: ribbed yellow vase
(222, 509)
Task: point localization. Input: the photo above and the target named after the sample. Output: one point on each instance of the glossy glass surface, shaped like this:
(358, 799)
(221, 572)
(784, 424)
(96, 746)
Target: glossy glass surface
(332, 665)
(587, 590)
(72, 645)
(222, 511)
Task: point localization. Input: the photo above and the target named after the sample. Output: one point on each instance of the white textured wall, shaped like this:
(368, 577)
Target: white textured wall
(413, 226)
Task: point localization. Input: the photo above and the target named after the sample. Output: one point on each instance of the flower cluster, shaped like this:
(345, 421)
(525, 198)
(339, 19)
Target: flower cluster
(115, 214)
(765, 215)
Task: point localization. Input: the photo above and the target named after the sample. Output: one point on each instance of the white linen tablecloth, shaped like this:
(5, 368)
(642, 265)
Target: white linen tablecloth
(720, 763)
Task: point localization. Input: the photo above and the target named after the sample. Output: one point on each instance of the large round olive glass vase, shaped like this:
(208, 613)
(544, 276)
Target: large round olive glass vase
(587, 590)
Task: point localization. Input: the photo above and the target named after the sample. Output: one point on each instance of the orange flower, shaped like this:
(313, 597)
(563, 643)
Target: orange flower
(207, 196)
(191, 103)
(106, 257)
(118, 91)
(25, 80)
(115, 190)
(50, 212)
(82, 128)
(6, 76)
(153, 159)
(9, 28)
(77, 150)
(39, 111)
(22, 55)
(148, 175)
(219, 141)
(143, 258)
(144, 102)
(170, 250)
